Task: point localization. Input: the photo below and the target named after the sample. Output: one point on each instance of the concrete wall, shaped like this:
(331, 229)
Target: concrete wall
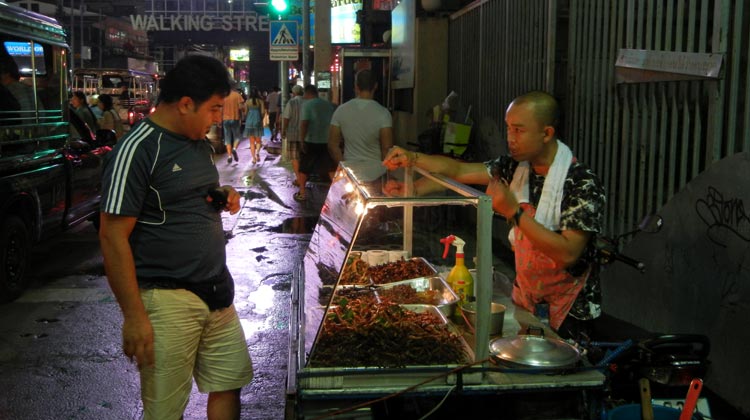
(697, 276)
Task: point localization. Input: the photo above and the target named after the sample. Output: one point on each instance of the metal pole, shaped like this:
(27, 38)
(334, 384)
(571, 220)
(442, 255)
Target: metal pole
(81, 5)
(284, 84)
(305, 41)
(284, 80)
(101, 38)
(72, 37)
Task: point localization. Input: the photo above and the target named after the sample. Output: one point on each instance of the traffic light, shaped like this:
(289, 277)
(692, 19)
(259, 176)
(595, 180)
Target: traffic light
(279, 6)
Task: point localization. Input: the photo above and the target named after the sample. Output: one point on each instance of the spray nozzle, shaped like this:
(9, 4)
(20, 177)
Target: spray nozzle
(455, 241)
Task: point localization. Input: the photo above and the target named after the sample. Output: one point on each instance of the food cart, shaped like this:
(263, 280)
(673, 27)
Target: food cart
(334, 361)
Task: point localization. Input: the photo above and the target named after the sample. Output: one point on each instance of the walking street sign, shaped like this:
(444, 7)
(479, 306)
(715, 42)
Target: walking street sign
(284, 36)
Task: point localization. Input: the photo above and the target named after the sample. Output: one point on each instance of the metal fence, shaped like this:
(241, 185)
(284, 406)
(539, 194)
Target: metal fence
(645, 140)
(498, 50)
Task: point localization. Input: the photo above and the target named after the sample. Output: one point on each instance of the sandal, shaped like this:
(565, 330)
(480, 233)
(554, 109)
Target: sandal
(299, 197)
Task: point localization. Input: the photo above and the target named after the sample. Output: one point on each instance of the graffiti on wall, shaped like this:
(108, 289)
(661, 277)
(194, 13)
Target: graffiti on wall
(723, 217)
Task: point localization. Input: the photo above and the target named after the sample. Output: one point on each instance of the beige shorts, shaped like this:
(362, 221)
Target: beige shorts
(190, 342)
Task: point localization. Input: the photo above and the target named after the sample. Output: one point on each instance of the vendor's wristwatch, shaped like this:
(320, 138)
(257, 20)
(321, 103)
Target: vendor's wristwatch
(516, 218)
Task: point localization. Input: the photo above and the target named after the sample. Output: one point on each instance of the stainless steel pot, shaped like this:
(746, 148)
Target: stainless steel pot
(534, 351)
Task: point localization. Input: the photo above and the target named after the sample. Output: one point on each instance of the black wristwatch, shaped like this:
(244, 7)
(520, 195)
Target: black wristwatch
(516, 218)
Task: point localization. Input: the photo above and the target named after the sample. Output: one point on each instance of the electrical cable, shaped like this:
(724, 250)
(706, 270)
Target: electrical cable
(440, 404)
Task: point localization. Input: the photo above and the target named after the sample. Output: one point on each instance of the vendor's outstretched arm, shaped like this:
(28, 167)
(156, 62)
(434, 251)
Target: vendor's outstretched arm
(464, 172)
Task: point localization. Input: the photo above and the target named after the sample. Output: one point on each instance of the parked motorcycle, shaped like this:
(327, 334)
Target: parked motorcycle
(665, 363)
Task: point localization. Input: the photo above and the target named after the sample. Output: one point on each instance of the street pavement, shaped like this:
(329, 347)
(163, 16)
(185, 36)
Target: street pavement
(60, 343)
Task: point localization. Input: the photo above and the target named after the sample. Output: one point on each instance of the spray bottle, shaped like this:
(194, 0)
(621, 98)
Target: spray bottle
(459, 278)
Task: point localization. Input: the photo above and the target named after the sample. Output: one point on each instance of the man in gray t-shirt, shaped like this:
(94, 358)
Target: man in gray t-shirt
(364, 128)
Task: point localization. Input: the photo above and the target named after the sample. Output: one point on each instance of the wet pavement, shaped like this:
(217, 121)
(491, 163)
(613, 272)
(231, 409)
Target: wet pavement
(267, 240)
(60, 354)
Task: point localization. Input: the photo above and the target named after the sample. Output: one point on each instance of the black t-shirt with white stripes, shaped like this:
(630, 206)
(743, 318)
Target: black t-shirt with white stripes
(162, 179)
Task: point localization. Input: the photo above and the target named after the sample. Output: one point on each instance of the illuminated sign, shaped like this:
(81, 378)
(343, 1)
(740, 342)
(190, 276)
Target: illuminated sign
(344, 26)
(323, 80)
(22, 49)
(250, 21)
(239, 54)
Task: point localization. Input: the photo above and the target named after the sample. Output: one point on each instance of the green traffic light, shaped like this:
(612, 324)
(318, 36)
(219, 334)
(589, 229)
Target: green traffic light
(279, 5)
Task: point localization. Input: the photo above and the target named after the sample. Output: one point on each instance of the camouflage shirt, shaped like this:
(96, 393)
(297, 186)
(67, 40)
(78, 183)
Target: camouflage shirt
(582, 208)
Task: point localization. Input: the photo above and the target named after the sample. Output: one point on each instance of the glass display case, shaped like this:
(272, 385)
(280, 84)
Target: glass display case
(374, 260)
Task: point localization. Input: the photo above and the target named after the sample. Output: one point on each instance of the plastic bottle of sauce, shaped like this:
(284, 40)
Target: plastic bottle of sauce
(459, 278)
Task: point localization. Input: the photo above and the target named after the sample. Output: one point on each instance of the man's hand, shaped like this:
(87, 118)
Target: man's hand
(233, 198)
(393, 188)
(398, 158)
(504, 201)
(138, 340)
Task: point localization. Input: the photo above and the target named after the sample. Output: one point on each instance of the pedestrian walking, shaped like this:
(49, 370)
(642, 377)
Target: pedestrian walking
(314, 122)
(361, 131)
(164, 249)
(254, 123)
(274, 105)
(234, 106)
(290, 128)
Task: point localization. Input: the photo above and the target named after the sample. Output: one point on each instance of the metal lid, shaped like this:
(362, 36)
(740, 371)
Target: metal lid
(531, 350)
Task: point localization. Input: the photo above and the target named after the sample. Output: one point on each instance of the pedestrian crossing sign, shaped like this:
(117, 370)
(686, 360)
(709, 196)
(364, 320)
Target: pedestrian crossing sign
(284, 37)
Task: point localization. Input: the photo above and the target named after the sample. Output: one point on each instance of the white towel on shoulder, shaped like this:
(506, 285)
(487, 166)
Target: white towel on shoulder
(548, 210)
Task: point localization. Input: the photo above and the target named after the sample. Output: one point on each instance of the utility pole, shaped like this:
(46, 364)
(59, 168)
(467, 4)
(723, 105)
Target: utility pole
(280, 7)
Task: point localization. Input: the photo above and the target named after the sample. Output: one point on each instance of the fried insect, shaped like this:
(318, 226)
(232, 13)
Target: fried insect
(399, 270)
(405, 294)
(355, 272)
(364, 332)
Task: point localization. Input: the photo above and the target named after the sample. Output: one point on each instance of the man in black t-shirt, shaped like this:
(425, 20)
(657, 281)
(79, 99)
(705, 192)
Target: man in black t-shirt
(164, 250)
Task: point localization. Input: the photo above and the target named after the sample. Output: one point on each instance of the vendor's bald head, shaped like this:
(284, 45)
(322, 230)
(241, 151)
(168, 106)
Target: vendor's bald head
(543, 105)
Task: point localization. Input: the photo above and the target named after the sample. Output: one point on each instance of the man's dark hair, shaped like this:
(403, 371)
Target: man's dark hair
(311, 89)
(365, 80)
(196, 76)
(8, 65)
(544, 105)
(80, 95)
